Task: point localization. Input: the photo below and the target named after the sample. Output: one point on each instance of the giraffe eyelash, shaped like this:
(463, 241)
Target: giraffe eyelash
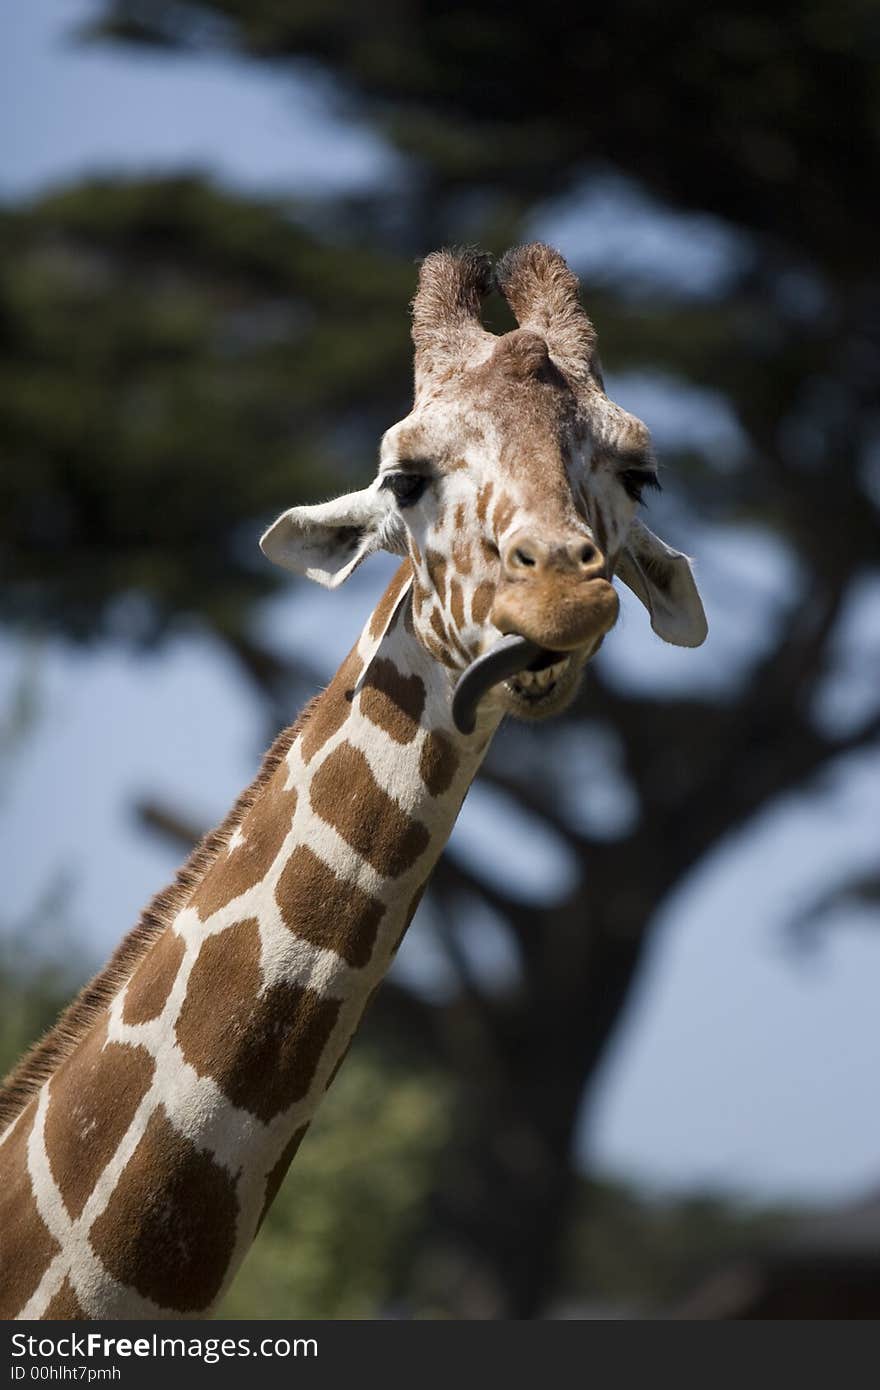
(406, 488)
(636, 480)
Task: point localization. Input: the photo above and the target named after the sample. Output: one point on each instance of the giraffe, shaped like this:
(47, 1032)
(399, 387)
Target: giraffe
(143, 1139)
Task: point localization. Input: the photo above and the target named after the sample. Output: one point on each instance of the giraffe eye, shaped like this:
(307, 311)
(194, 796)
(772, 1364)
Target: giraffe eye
(635, 480)
(406, 487)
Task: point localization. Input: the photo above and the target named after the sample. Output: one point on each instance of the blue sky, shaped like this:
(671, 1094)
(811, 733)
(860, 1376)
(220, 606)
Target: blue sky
(743, 1065)
(71, 108)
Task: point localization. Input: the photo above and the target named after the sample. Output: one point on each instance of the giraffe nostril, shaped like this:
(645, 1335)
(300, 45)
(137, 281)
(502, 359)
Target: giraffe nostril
(588, 553)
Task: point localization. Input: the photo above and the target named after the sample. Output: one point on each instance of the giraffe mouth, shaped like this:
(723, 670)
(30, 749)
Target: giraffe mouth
(537, 684)
(529, 671)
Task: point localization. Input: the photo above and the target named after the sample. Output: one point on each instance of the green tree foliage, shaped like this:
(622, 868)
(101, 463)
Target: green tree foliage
(177, 362)
(170, 351)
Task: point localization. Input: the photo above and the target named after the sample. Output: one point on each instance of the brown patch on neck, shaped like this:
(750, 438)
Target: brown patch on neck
(333, 707)
(169, 1227)
(346, 795)
(263, 831)
(320, 907)
(92, 1101)
(438, 763)
(150, 985)
(46, 1056)
(261, 1044)
(26, 1244)
(392, 701)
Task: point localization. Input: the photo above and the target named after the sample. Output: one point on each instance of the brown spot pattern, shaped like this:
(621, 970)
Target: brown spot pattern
(26, 1244)
(456, 604)
(438, 650)
(150, 985)
(437, 763)
(436, 566)
(319, 906)
(461, 556)
(169, 1227)
(260, 1045)
(452, 641)
(334, 706)
(347, 796)
(393, 701)
(65, 1306)
(386, 605)
(484, 497)
(439, 626)
(481, 603)
(503, 514)
(279, 1171)
(263, 829)
(92, 1101)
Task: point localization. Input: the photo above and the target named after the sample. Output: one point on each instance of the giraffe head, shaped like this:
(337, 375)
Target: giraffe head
(513, 486)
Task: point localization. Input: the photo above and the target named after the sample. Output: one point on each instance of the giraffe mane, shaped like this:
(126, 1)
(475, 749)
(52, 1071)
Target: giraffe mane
(56, 1045)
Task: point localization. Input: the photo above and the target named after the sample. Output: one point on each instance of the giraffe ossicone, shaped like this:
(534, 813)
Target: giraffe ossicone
(143, 1139)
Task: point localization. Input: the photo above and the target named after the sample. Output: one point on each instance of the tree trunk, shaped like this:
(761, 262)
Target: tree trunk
(503, 1213)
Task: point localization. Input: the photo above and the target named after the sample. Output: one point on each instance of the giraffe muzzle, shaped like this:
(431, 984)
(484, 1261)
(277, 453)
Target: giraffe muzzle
(562, 615)
(536, 636)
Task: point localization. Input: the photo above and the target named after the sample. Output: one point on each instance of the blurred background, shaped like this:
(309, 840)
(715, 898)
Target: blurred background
(626, 1063)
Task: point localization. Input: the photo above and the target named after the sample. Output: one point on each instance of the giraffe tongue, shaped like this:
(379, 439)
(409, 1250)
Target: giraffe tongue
(508, 656)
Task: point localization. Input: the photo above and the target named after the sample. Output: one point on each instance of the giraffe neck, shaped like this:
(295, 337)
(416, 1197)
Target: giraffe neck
(138, 1175)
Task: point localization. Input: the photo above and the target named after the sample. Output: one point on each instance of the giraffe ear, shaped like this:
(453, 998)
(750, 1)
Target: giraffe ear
(663, 579)
(327, 542)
